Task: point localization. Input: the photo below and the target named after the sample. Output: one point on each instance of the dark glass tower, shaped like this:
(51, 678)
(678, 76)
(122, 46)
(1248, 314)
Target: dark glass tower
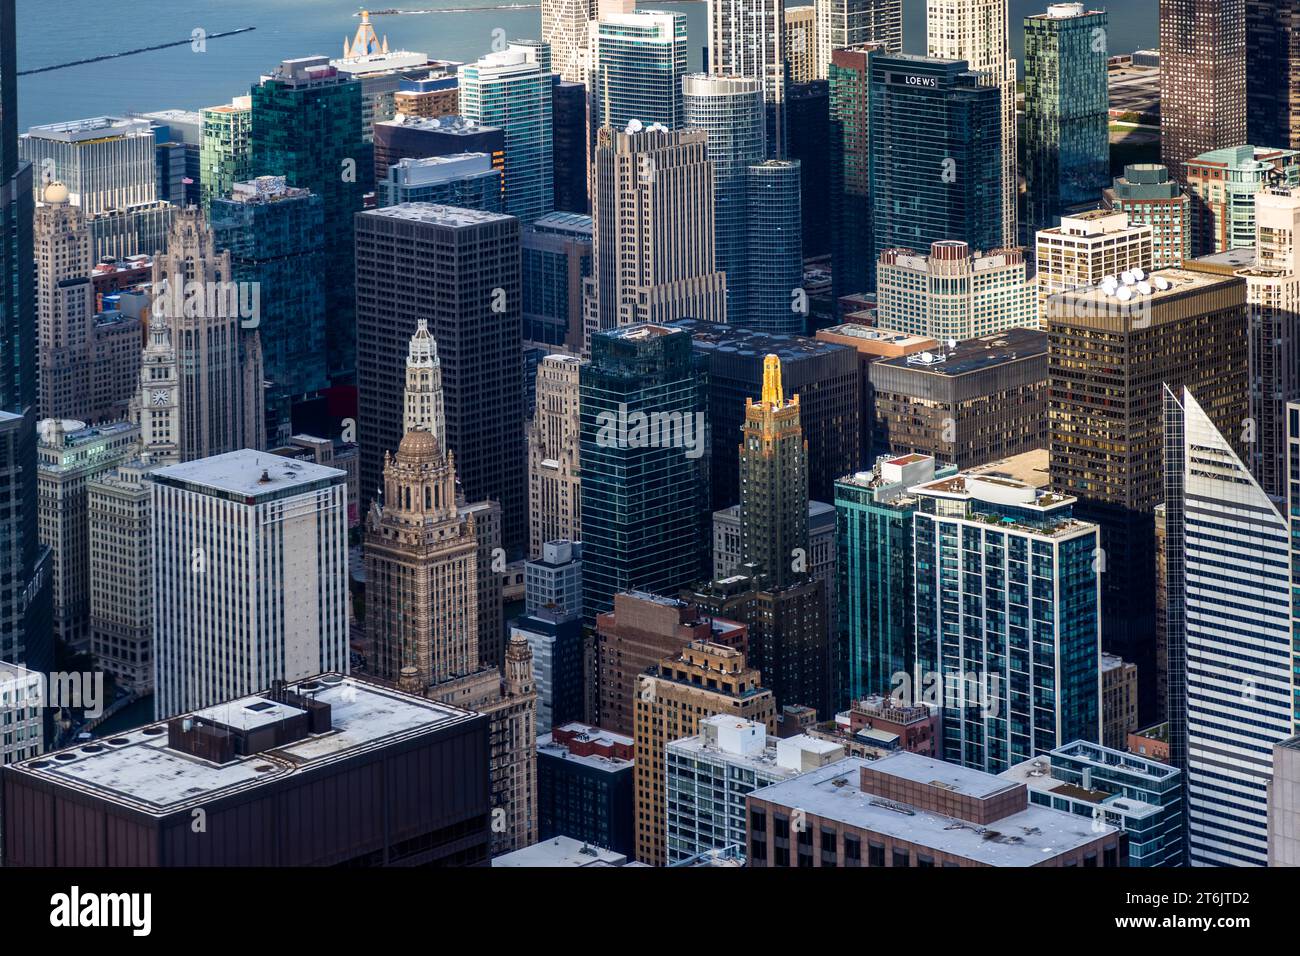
(307, 128)
(1273, 77)
(850, 173)
(645, 448)
(936, 155)
(25, 635)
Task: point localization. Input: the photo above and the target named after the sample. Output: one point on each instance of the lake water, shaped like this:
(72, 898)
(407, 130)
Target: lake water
(57, 31)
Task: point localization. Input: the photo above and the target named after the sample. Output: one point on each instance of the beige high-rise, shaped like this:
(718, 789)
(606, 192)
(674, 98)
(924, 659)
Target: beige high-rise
(652, 210)
(554, 483)
(977, 31)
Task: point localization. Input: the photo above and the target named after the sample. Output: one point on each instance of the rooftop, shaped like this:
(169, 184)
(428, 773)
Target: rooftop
(1029, 467)
(452, 217)
(249, 473)
(731, 339)
(138, 770)
(562, 851)
(1029, 837)
(975, 355)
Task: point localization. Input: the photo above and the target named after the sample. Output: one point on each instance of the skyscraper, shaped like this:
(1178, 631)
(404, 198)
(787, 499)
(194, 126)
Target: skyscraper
(564, 27)
(570, 149)
(1148, 195)
(801, 44)
(1086, 248)
(225, 150)
(652, 212)
(1108, 354)
(748, 38)
(272, 233)
(936, 146)
(1202, 79)
(511, 90)
(636, 73)
(464, 180)
(473, 313)
(1273, 80)
(25, 588)
(1229, 619)
(808, 123)
(1023, 677)
(306, 127)
(777, 301)
(213, 322)
(730, 110)
(554, 462)
(644, 488)
(250, 568)
(1067, 137)
(852, 247)
(977, 31)
(842, 24)
(1223, 184)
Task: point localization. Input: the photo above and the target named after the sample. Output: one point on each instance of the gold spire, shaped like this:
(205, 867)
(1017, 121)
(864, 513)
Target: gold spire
(772, 393)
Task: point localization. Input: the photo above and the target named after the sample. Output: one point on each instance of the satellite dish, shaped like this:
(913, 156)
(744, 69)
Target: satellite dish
(634, 126)
(1161, 283)
(952, 343)
(1127, 278)
(1144, 287)
(1139, 274)
(1125, 294)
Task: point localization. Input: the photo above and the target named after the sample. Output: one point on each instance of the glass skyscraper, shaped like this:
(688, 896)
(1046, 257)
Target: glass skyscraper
(936, 155)
(1067, 138)
(225, 149)
(1007, 619)
(640, 60)
(511, 90)
(644, 447)
(25, 593)
(306, 127)
(777, 301)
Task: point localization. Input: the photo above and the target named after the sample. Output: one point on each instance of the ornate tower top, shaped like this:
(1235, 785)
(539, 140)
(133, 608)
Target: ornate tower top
(366, 42)
(424, 405)
(772, 393)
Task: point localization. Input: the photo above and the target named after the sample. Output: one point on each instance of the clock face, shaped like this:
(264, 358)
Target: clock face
(160, 397)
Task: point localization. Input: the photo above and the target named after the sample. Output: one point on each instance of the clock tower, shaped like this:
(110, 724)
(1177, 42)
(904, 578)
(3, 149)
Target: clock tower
(158, 404)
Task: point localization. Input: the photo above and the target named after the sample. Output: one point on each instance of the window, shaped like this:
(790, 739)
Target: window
(852, 851)
(901, 858)
(876, 854)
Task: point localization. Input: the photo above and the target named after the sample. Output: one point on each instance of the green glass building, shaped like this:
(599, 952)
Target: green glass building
(225, 148)
(640, 61)
(306, 127)
(1067, 139)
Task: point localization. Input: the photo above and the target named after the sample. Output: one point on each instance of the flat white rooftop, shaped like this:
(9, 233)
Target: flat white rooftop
(137, 769)
(248, 473)
(437, 215)
(562, 852)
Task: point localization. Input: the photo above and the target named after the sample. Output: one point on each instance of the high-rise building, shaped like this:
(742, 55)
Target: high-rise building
(25, 637)
(808, 124)
(213, 321)
(852, 247)
(306, 127)
(511, 90)
(272, 233)
(1283, 837)
(672, 698)
(728, 556)
(557, 262)
(1067, 103)
(875, 636)
(225, 153)
(554, 459)
(644, 443)
(978, 32)
(23, 693)
(800, 44)
(565, 29)
(937, 158)
(570, 146)
(311, 738)
(983, 400)
(559, 660)
(465, 180)
(748, 38)
(121, 594)
(843, 24)
(1119, 701)
(585, 787)
(88, 362)
(70, 455)
(473, 313)
(638, 60)
(710, 773)
(824, 374)
(250, 576)
(776, 299)
(954, 294)
(1273, 79)
(905, 809)
(1229, 620)
(428, 96)
(730, 110)
(1202, 79)
(1223, 184)
(1086, 248)
(653, 228)
(1109, 350)
(422, 137)
(1035, 683)
(1149, 196)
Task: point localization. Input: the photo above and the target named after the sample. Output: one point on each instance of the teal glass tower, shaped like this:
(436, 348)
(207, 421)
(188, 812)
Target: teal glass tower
(306, 127)
(1007, 619)
(777, 303)
(511, 90)
(640, 61)
(936, 148)
(1067, 139)
(873, 529)
(644, 447)
(273, 233)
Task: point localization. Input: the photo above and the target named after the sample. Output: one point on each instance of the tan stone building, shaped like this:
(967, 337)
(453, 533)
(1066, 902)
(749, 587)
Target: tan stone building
(554, 467)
